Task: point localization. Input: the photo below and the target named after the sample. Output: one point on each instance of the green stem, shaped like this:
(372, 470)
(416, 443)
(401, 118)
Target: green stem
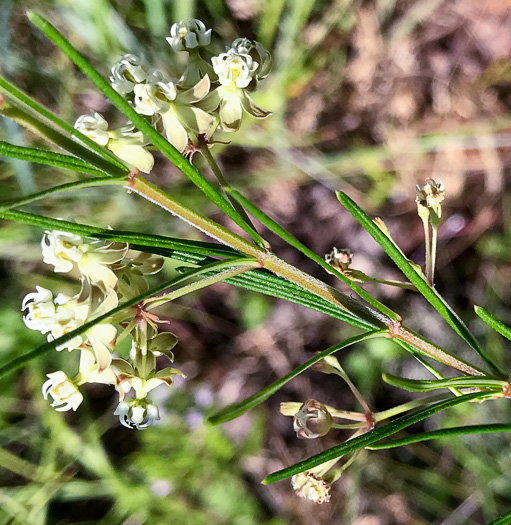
(233, 267)
(391, 412)
(271, 262)
(434, 240)
(204, 149)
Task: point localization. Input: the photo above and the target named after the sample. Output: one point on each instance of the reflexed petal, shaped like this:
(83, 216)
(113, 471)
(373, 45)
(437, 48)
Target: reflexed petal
(137, 156)
(210, 102)
(252, 108)
(230, 111)
(195, 119)
(195, 93)
(174, 130)
(98, 273)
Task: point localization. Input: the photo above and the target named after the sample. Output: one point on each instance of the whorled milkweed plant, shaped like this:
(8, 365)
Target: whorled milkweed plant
(179, 117)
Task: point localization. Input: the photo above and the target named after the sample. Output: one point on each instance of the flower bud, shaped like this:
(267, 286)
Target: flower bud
(312, 420)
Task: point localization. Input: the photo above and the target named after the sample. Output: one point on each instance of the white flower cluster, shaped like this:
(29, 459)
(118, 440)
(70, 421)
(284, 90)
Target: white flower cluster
(109, 271)
(206, 96)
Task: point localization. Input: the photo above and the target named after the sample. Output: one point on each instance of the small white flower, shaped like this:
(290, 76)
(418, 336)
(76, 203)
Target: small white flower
(62, 250)
(127, 73)
(256, 50)
(189, 35)
(235, 73)
(64, 392)
(160, 97)
(65, 251)
(137, 413)
(93, 126)
(41, 310)
(234, 69)
(154, 96)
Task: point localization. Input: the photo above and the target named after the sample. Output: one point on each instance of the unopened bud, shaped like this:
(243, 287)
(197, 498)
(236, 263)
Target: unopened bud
(312, 420)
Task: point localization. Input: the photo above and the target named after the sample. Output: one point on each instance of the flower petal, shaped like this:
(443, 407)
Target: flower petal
(176, 133)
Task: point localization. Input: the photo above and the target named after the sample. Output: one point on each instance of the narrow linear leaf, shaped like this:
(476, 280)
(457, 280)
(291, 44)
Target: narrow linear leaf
(70, 186)
(29, 103)
(372, 437)
(425, 385)
(49, 158)
(492, 322)
(196, 252)
(293, 241)
(444, 432)
(18, 362)
(430, 294)
(140, 123)
(236, 410)
(134, 238)
(32, 122)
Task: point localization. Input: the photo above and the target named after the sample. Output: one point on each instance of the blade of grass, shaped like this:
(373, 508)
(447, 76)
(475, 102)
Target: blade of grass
(236, 410)
(30, 104)
(492, 322)
(285, 235)
(372, 437)
(142, 125)
(18, 362)
(445, 432)
(425, 385)
(62, 188)
(49, 158)
(430, 294)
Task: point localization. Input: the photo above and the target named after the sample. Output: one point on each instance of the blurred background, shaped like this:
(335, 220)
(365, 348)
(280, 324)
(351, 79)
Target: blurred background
(368, 97)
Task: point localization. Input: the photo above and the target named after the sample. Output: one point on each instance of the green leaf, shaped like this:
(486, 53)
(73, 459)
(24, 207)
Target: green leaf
(6, 205)
(444, 432)
(196, 252)
(40, 112)
(236, 410)
(372, 437)
(431, 295)
(138, 240)
(285, 235)
(18, 362)
(49, 158)
(32, 121)
(494, 323)
(141, 124)
(426, 385)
